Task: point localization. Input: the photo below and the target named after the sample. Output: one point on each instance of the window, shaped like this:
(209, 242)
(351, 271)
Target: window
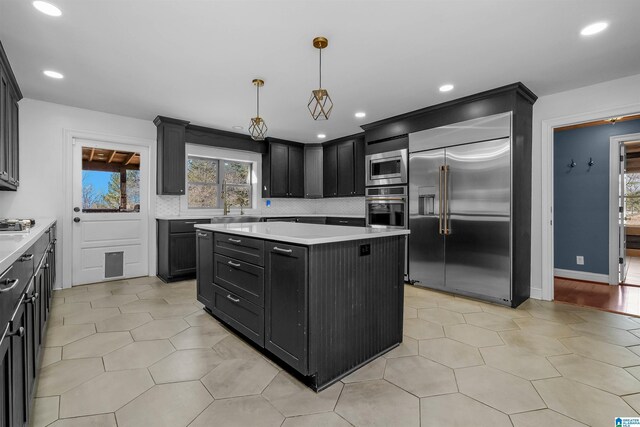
(632, 199)
(212, 181)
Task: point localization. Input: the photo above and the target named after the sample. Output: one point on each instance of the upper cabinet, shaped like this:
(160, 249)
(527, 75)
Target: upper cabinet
(343, 167)
(9, 138)
(283, 170)
(171, 156)
(313, 171)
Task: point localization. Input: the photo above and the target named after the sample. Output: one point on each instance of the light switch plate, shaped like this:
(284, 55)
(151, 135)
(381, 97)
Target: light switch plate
(580, 260)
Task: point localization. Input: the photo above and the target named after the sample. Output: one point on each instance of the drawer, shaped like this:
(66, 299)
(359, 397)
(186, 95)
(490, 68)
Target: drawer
(352, 222)
(245, 317)
(312, 220)
(239, 277)
(240, 247)
(22, 270)
(39, 248)
(185, 225)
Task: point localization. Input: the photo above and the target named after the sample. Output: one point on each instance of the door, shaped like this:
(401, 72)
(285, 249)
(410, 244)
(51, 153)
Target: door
(330, 171)
(426, 241)
(313, 171)
(479, 204)
(279, 156)
(19, 366)
(110, 205)
(346, 175)
(622, 235)
(296, 172)
(205, 268)
(182, 253)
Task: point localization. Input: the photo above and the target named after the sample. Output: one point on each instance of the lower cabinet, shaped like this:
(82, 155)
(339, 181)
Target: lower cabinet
(204, 277)
(19, 366)
(5, 382)
(247, 318)
(177, 249)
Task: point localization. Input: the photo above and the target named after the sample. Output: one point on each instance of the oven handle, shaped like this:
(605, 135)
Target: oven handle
(386, 199)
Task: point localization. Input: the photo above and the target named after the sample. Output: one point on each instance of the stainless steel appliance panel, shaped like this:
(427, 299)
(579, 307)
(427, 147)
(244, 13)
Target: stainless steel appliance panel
(478, 250)
(386, 207)
(386, 168)
(426, 242)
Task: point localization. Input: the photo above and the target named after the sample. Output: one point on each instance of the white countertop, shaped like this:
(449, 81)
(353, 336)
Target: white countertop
(14, 244)
(303, 234)
(261, 215)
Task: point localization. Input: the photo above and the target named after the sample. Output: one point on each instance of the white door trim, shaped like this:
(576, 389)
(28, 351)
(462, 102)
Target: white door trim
(614, 190)
(67, 217)
(546, 136)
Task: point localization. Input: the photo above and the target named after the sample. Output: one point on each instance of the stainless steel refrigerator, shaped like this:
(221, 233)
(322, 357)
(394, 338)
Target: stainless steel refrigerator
(460, 208)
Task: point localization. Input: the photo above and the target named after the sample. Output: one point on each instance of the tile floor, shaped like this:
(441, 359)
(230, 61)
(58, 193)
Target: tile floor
(143, 353)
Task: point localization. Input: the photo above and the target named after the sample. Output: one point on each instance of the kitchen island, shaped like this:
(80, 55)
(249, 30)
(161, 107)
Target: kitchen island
(323, 300)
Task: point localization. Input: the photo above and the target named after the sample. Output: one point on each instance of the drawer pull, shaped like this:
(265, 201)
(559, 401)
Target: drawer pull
(234, 240)
(202, 234)
(190, 222)
(233, 264)
(26, 257)
(229, 297)
(288, 251)
(32, 298)
(18, 333)
(13, 283)
(343, 222)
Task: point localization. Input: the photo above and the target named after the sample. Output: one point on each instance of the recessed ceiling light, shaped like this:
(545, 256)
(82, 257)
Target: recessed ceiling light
(53, 74)
(237, 127)
(446, 88)
(322, 136)
(361, 114)
(47, 8)
(594, 28)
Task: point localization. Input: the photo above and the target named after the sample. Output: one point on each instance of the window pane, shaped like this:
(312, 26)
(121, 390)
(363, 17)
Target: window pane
(632, 198)
(202, 170)
(239, 195)
(133, 191)
(202, 196)
(100, 191)
(237, 172)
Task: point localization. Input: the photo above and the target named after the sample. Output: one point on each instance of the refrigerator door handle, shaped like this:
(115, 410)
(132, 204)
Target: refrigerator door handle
(447, 230)
(440, 200)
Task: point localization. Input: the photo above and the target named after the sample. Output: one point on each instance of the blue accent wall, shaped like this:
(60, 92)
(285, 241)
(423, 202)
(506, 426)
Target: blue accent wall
(581, 195)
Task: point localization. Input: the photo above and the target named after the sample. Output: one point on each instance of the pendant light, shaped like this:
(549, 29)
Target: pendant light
(320, 104)
(258, 128)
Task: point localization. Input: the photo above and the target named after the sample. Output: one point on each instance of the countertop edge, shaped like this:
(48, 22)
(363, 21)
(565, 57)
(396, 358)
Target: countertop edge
(36, 232)
(251, 215)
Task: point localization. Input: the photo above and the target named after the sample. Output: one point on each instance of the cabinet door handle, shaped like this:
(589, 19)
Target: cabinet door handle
(288, 251)
(32, 298)
(26, 257)
(234, 240)
(233, 264)
(190, 222)
(12, 282)
(229, 297)
(343, 222)
(18, 333)
(202, 234)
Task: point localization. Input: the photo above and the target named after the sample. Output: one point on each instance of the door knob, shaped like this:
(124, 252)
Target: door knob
(76, 219)
(76, 209)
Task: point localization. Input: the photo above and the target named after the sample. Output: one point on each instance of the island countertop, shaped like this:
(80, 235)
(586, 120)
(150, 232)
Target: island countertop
(302, 234)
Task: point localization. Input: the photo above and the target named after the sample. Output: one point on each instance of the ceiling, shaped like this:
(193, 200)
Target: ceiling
(195, 59)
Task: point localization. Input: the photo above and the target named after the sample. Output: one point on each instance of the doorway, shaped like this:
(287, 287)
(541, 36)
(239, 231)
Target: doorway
(110, 204)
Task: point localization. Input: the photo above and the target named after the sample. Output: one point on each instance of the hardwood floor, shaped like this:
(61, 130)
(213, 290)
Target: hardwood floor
(617, 299)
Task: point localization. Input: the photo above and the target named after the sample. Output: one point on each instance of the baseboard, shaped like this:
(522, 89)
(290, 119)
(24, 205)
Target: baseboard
(535, 293)
(581, 275)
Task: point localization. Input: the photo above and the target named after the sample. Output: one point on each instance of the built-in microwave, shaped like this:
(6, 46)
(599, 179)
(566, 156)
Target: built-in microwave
(389, 168)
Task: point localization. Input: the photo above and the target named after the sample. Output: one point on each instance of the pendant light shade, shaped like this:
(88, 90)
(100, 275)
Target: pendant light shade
(320, 103)
(258, 128)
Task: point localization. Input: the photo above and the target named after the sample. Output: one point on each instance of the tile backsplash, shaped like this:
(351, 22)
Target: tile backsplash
(170, 206)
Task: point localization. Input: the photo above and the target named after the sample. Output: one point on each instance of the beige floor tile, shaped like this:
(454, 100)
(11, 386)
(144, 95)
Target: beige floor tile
(596, 374)
(292, 398)
(50, 355)
(198, 337)
(143, 306)
(55, 320)
(373, 370)
(518, 361)
(451, 353)
(490, 321)
(420, 377)
(86, 296)
(500, 390)
(609, 319)
(460, 305)
(174, 405)
(421, 329)
(141, 354)
(543, 417)
(45, 411)
(460, 410)
(103, 420)
(408, 347)
(473, 335)
(234, 348)
(545, 328)
(326, 419)
(534, 344)
(378, 403)
(106, 286)
(159, 329)
(201, 318)
(185, 365)
(511, 313)
(441, 316)
(409, 312)
(68, 309)
(131, 289)
(602, 351)
(635, 349)
(555, 314)
(238, 377)
(123, 322)
(91, 316)
(249, 411)
(113, 300)
(604, 333)
(62, 376)
(419, 301)
(159, 293)
(147, 280)
(581, 402)
(633, 400)
(69, 291)
(173, 310)
(96, 345)
(58, 336)
(107, 392)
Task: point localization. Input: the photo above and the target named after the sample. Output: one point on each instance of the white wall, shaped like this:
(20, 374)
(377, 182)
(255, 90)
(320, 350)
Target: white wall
(608, 99)
(42, 124)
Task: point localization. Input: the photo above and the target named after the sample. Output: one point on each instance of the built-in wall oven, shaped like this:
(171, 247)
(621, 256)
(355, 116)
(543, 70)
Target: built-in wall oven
(388, 168)
(386, 207)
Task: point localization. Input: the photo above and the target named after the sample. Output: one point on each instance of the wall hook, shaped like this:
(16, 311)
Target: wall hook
(591, 162)
(572, 164)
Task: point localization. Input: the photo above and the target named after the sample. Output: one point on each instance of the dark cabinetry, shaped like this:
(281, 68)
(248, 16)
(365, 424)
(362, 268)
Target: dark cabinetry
(170, 177)
(204, 280)
(351, 222)
(177, 248)
(343, 167)
(9, 96)
(313, 171)
(283, 170)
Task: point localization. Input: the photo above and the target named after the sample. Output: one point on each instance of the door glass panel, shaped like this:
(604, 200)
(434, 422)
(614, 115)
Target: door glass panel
(388, 214)
(110, 180)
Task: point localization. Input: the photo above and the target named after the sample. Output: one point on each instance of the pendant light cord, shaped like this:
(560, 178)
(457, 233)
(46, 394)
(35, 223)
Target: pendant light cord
(320, 68)
(258, 101)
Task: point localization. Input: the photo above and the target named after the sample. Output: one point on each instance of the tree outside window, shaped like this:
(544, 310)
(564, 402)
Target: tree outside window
(209, 180)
